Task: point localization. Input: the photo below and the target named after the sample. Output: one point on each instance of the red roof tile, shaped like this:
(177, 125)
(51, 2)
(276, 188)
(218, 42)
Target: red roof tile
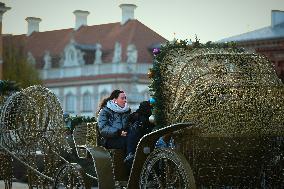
(132, 32)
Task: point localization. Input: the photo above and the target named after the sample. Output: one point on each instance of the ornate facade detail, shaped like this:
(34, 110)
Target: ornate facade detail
(98, 59)
(47, 60)
(72, 55)
(132, 54)
(117, 53)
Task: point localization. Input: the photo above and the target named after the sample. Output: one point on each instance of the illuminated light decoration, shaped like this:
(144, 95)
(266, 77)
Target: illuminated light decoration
(236, 101)
(32, 127)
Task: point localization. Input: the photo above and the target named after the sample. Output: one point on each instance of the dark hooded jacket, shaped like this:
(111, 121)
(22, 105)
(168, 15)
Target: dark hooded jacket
(140, 119)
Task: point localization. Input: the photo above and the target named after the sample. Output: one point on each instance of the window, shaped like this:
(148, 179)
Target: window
(71, 55)
(87, 102)
(70, 103)
(146, 95)
(104, 94)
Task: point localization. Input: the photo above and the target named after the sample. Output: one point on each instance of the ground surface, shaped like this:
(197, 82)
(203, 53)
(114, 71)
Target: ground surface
(19, 185)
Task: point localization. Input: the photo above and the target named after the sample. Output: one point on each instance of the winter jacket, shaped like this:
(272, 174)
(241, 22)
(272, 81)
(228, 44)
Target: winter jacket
(139, 125)
(140, 122)
(111, 121)
(140, 119)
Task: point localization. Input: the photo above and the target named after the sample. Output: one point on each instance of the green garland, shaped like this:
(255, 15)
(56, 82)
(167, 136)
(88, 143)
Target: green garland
(155, 74)
(81, 119)
(74, 121)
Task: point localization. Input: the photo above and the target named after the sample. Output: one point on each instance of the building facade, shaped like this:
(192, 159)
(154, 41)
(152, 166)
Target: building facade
(82, 65)
(268, 41)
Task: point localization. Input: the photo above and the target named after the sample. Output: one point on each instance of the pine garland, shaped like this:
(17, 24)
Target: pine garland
(80, 119)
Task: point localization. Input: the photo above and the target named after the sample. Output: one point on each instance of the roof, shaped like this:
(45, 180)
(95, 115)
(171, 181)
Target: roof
(259, 34)
(132, 32)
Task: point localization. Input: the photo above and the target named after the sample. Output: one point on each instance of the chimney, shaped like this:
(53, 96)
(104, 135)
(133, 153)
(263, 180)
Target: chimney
(80, 18)
(277, 17)
(33, 25)
(127, 12)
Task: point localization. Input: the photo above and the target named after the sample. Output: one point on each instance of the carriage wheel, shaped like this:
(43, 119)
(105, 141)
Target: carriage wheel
(166, 168)
(69, 176)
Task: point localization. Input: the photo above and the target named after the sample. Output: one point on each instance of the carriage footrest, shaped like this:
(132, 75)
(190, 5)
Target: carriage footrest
(119, 184)
(82, 152)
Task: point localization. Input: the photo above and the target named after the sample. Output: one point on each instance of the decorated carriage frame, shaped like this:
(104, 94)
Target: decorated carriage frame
(223, 108)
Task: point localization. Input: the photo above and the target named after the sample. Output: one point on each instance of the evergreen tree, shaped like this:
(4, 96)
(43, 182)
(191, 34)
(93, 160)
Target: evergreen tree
(6, 89)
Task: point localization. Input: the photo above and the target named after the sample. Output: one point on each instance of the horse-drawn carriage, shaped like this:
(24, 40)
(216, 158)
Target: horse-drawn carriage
(222, 107)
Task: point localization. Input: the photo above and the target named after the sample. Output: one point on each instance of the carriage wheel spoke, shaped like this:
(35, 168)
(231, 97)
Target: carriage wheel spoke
(156, 177)
(168, 169)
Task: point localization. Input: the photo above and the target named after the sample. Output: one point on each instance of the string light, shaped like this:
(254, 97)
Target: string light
(229, 94)
(32, 127)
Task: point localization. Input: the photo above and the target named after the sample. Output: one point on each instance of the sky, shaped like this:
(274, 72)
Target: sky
(209, 20)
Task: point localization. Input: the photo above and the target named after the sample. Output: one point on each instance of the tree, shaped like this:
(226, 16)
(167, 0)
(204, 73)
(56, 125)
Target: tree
(17, 68)
(7, 87)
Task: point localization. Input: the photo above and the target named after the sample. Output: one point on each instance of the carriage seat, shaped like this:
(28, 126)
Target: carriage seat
(86, 134)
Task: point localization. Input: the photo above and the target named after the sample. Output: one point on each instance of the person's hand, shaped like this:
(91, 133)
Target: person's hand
(123, 133)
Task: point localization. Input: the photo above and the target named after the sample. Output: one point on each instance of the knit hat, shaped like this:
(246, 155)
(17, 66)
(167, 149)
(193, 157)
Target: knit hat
(145, 108)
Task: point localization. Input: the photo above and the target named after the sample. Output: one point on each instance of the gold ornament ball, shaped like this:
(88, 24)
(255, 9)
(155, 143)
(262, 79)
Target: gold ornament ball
(150, 74)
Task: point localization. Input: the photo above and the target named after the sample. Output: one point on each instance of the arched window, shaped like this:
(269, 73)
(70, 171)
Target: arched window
(70, 103)
(104, 94)
(87, 102)
(71, 55)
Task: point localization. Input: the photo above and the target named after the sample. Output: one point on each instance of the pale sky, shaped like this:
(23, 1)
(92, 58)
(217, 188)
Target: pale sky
(182, 19)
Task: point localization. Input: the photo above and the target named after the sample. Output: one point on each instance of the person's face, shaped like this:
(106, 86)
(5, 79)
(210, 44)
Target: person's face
(121, 100)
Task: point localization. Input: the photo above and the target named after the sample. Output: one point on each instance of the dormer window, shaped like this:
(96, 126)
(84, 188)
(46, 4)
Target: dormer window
(72, 55)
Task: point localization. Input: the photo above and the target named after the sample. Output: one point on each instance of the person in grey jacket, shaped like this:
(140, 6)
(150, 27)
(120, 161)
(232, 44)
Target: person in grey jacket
(113, 120)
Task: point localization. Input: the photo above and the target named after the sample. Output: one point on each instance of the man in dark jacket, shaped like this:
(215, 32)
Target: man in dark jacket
(139, 125)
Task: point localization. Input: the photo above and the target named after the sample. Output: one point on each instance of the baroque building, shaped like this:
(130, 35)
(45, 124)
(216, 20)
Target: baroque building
(82, 65)
(268, 41)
